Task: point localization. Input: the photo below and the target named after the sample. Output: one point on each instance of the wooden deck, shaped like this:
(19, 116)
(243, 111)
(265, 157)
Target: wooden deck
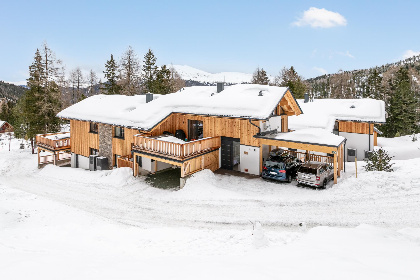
(175, 151)
(54, 141)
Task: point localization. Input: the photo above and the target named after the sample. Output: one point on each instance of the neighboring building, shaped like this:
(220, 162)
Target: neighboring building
(353, 119)
(5, 127)
(233, 128)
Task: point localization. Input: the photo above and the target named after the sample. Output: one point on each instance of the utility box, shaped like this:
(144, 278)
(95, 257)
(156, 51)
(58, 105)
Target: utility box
(92, 162)
(102, 163)
(351, 154)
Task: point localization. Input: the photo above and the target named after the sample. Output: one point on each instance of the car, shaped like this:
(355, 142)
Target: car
(280, 166)
(316, 174)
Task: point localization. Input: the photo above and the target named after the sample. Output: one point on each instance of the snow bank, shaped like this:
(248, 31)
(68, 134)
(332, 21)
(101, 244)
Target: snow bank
(400, 147)
(205, 185)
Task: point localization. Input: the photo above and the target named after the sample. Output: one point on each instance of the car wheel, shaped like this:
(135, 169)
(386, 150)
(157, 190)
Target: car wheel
(289, 178)
(324, 184)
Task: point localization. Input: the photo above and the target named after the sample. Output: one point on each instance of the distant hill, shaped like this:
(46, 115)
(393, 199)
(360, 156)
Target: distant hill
(11, 91)
(360, 83)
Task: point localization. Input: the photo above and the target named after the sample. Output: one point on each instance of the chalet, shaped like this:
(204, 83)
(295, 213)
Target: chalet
(353, 119)
(5, 127)
(194, 129)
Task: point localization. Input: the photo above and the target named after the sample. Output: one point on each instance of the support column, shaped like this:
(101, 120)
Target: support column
(134, 165)
(335, 168)
(261, 158)
(38, 157)
(339, 161)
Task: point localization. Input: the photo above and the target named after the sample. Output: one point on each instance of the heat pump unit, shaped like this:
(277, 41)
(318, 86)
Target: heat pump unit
(102, 163)
(92, 162)
(367, 154)
(351, 154)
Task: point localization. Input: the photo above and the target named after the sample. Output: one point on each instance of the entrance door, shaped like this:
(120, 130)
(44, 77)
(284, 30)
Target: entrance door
(227, 152)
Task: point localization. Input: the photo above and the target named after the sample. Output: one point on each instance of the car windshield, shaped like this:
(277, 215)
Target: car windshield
(307, 170)
(274, 164)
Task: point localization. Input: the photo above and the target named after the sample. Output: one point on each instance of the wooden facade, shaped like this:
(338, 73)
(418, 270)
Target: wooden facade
(212, 127)
(82, 140)
(355, 127)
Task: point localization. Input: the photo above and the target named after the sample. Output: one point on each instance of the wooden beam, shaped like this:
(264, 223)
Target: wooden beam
(299, 146)
(160, 159)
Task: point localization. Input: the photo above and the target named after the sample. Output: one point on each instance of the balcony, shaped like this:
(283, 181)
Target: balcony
(54, 141)
(174, 148)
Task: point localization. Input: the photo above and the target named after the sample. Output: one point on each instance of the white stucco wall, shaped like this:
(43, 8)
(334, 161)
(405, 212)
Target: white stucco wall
(359, 142)
(148, 165)
(83, 161)
(250, 159)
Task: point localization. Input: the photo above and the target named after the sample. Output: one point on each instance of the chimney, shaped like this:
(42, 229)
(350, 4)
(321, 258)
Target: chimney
(149, 97)
(220, 87)
(306, 97)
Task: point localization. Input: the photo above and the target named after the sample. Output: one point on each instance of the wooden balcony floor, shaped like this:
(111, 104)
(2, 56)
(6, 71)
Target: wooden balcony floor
(172, 157)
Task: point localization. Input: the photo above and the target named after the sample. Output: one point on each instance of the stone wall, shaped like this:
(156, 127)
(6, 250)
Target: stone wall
(105, 141)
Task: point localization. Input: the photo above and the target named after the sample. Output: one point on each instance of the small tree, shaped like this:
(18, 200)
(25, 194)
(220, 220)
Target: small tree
(260, 77)
(379, 160)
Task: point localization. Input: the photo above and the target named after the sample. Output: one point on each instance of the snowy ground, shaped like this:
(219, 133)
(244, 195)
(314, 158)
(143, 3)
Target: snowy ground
(63, 223)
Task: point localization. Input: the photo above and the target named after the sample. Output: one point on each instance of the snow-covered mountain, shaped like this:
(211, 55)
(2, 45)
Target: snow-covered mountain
(193, 74)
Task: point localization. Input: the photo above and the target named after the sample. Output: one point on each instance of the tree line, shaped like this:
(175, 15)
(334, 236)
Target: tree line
(49, 90)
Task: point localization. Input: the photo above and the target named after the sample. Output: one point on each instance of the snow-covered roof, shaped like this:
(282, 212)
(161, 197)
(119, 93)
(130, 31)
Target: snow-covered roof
(322, 113)
(242, 101)
(314, 136)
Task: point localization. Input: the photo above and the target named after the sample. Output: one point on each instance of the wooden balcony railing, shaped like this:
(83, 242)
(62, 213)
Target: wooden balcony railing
(124, 162)
(176, 150)
(54, 141)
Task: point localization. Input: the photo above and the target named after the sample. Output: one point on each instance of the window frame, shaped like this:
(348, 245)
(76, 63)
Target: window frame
(121, 135)
(93, 125)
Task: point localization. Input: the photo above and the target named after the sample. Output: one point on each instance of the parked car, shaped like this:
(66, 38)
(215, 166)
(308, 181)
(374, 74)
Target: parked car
(315, 174)
(280, 166)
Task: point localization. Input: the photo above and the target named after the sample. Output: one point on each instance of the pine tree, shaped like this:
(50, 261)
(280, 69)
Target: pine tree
(149, 71)
(111, 85)
(374, 88)
(379, 160)
(41, 101)
(93, 81)
(162, 84)
(290, 78)
(402, 108)
(260, 77)
(130, 73)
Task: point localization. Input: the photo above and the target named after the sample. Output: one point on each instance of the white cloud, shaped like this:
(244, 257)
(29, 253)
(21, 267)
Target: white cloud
(410, 53)
(347, 53)
(321, 70)
(320, 18)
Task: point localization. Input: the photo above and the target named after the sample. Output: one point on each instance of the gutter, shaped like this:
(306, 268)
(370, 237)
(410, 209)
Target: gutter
(259, 128)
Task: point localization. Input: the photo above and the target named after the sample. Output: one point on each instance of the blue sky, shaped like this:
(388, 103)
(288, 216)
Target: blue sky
(214, 36)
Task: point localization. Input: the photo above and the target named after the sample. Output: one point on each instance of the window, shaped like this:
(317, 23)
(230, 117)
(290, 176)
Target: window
(93, 151)
(195, 130)
(93, 127)
(119, 132)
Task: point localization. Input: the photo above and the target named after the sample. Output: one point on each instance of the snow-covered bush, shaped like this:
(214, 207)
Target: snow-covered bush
(379, 160)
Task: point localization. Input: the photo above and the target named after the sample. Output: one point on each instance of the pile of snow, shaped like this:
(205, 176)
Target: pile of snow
(241, 101)
(189, 73)
(58, 136)
(322, 113)
(401, 147)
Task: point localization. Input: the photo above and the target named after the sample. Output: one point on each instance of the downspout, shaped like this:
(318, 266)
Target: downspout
(369, 137)
(344, 156)
(259, 128)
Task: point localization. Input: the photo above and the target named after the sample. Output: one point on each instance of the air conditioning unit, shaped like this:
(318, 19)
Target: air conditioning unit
(351, 154)
(102, 163)
(92, 162)
(367, 154)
